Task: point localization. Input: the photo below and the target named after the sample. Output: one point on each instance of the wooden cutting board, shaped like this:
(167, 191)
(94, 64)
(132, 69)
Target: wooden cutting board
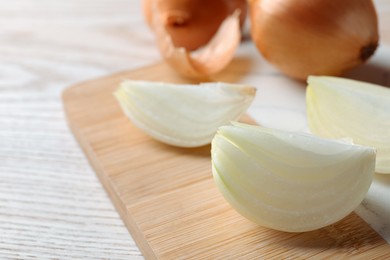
(166, 195)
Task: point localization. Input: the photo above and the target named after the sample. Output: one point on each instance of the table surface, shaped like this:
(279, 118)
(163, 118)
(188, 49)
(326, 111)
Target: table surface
(51, 203)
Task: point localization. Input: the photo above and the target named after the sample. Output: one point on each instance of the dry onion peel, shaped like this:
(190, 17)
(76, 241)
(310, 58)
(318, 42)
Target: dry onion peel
(182, 114)
(207, 60)
(338, 108)
(191, 23)
(289, 181)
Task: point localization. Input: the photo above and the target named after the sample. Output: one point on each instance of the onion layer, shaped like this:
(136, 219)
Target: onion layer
(289, 181)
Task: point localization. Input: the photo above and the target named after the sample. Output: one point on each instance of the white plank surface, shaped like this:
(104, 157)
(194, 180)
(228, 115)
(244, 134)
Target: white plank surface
(51, 203)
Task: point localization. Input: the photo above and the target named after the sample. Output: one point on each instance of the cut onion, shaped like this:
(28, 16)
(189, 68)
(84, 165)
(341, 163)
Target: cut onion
(339, 108)
(290, 181)
(183, 115)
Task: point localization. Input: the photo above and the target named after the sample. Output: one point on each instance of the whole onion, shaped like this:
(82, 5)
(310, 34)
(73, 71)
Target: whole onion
(314, 37)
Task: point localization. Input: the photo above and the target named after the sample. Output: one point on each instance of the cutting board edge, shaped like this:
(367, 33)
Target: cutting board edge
(145, 248)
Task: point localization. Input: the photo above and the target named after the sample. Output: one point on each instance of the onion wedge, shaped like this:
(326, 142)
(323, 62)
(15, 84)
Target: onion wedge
(344, 108)
(182, 114)
(289, 181)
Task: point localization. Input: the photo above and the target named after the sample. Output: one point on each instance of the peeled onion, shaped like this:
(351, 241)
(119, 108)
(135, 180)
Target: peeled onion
(289, 181)
(196, 37)
(345, 108)
(182, 114)
(315, 37)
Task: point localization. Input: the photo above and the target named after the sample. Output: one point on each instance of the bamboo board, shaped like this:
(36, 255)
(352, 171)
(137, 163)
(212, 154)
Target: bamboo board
(166, 195)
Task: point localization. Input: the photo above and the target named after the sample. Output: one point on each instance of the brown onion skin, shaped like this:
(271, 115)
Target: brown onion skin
(314, 37)
(192, 23)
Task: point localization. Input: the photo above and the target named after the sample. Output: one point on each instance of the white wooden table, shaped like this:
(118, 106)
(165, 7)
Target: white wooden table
(51, 204)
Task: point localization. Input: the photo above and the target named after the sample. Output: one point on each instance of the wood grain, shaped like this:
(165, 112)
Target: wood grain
(167, 197)
(52, 206)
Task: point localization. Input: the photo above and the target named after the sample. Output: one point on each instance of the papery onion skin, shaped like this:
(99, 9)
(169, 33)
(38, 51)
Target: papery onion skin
(289, 181)
(207, 60)
(192, 23)
(316, 37)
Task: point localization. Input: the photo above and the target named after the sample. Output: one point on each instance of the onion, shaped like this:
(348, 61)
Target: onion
(339, 108)
(289, 181)
(196, 37)
(315, 37)
(183, 115)
(192, 23)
